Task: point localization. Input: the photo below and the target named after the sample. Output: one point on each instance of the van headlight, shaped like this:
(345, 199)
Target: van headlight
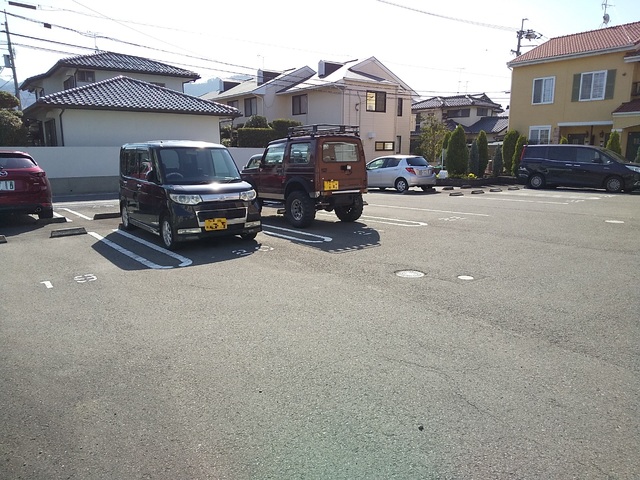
(185, 199)
(633, 169)
(248, 195)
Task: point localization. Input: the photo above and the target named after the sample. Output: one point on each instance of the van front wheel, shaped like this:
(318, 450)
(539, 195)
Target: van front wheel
(168, 234)
(613, 184)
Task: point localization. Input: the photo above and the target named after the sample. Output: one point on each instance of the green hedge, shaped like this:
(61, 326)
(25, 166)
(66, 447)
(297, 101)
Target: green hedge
(256, 137)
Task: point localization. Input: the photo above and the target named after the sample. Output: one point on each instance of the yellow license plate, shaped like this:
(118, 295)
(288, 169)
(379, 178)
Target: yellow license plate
(331, 185)
(215, 224)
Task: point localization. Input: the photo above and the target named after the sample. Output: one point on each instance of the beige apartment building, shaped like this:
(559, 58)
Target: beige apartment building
(582, 87)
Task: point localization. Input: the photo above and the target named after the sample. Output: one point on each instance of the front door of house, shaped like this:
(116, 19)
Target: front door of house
(633, 144)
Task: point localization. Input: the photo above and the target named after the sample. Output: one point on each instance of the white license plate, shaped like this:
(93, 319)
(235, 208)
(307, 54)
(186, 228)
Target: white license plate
(7, 185)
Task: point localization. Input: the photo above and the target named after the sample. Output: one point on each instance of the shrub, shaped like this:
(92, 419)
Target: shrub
(496, 168)
(483, 151)
(457, 153)
(474, 159)
(281, 126)
(614, 142)
(515, 164)
(563, 140)
(508, 149)
(257, 121)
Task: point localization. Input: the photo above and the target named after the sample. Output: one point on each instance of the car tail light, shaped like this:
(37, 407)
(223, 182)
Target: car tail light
(410, 170)
(38, 174)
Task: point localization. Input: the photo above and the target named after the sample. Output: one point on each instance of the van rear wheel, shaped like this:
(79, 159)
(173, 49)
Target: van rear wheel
(124, 217)
(536, 180)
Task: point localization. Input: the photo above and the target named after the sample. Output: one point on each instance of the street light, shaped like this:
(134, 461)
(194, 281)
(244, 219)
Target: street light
(528, 34)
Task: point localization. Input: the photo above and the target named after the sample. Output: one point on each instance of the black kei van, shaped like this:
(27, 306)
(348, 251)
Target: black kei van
(577, 166)
(185, 190)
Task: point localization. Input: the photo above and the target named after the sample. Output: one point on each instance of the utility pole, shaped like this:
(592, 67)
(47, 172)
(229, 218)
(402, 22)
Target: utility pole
(12, 63)
(528, 34)
(11, 56)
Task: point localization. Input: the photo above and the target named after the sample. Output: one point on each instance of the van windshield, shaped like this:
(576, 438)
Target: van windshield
(189, 166)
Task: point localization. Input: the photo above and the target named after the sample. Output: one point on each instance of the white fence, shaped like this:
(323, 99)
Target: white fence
(84, 170)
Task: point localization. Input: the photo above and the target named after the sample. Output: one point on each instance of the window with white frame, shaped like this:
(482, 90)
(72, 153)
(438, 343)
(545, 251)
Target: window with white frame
(592, 85)
(543, 90)
(539, 134)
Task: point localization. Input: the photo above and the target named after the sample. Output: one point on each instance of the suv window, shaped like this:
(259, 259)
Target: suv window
(300, 153)
(274, 155)
(340, 152)
(16, 162)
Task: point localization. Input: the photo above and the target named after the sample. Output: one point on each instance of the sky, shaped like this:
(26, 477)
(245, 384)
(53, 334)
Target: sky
(437, 48)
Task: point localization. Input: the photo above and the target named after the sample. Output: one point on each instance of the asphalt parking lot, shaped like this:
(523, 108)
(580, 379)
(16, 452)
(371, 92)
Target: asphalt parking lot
(477, 333)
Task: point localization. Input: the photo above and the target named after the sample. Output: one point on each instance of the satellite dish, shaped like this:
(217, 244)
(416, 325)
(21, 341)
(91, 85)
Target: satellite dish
(605, 18)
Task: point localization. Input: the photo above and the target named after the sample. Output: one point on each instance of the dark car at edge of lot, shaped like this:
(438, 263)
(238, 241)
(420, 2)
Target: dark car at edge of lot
(577, 166)
(24, 186)
(185, 190)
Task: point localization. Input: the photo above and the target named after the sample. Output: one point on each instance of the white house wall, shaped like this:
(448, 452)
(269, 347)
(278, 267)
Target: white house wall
(105, 128)
(84, 170)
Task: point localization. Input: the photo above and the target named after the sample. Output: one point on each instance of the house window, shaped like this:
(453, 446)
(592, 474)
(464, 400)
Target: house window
(233, 103)
(50, 137)
(543, 90)
(462, 112)
(398, 144)
(376, 102)
(69, 83)
(384, 146)
(85, 76)
(592, 85)
(299, 104)
(400, 107)
(539, 134)
(482, 111)
(250, 106)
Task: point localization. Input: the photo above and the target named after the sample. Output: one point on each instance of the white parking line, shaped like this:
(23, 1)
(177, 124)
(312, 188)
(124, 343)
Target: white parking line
(430, 210)
(138, 258)
(321, 238)
(75, 213)
(504, 199)
(394, 221)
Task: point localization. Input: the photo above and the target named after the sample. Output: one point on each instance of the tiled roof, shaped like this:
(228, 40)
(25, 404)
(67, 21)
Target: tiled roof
(629, 107)
(128, 94)
(117, 62)
(490, 125)
(480, 100)
(620, 37)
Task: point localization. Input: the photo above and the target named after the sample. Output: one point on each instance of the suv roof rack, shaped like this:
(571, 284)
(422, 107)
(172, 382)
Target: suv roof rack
(323, 129)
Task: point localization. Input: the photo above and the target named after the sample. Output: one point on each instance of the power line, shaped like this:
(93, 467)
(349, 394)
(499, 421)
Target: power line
(455, 19)
(242, 68)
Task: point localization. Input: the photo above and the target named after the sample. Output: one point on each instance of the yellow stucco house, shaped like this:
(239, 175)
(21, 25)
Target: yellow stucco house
(582, 87)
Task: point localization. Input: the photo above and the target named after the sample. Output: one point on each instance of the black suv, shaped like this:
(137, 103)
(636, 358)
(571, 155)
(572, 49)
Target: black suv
(185, 190)
(577, 166)
(317, 167)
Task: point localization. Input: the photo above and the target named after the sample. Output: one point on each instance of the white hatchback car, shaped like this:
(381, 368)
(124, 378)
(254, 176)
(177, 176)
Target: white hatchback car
(400, 172)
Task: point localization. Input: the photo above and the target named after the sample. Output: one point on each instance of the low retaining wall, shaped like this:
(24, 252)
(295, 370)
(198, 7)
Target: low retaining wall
(86, 170)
